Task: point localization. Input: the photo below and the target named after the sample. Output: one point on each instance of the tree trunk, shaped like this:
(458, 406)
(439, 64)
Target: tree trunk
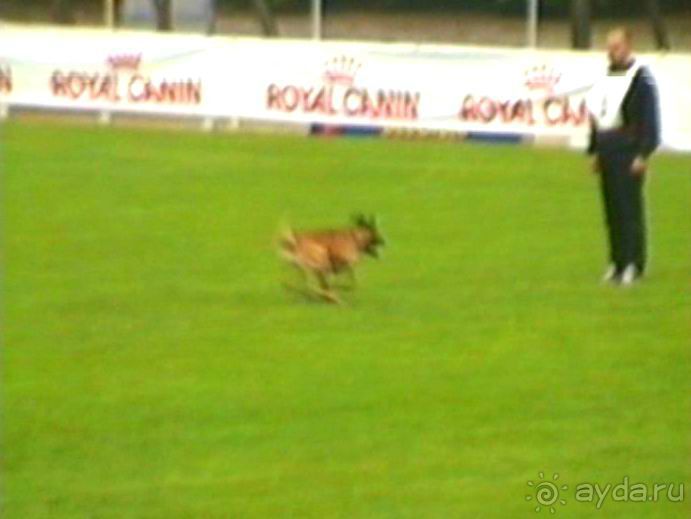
(581, 34)
(62, 11)
(659, 26)
(117, 12)
(266, 17)
(164, 15)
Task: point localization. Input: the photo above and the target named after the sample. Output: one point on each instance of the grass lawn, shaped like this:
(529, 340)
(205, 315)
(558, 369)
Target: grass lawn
(152, 366)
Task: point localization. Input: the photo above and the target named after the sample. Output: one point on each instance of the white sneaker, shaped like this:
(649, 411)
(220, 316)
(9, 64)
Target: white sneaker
(611, 274)
(629, 276)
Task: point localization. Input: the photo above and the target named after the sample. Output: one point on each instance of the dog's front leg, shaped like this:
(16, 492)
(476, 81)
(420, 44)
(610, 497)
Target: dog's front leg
(352, 280)
(325, 289)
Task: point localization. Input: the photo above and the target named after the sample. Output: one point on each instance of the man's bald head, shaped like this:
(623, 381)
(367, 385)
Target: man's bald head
(620, 46)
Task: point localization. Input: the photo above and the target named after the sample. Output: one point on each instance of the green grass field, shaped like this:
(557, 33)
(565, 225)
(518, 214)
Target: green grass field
(154, 368)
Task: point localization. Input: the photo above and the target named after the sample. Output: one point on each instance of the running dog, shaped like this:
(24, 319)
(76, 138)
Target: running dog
(325, 254)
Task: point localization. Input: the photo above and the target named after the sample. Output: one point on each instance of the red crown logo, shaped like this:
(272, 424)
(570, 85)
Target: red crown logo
(341, 70)
(124, 61)
(542, 78)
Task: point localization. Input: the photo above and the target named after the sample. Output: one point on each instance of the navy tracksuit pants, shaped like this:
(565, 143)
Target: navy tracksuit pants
(624, 203)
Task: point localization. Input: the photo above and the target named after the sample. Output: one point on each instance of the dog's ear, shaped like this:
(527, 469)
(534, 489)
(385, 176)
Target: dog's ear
(359, 220)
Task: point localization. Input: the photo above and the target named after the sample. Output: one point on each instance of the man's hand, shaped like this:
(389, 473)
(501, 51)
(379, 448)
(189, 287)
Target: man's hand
(639, 167)
(596, 166)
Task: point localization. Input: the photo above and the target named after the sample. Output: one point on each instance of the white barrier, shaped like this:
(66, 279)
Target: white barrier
(426, 87)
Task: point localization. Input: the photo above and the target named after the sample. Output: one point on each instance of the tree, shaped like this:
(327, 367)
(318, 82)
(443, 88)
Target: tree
(164, 15)
(658, 23)
(118, 6)
(581, 33)
(266, 17)
(62, 11)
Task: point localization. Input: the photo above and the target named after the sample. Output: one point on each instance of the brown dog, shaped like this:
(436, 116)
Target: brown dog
(324, 254)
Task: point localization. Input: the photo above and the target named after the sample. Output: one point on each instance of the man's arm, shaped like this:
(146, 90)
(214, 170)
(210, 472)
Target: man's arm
(592, 146)
(648, 116)
(592, 139)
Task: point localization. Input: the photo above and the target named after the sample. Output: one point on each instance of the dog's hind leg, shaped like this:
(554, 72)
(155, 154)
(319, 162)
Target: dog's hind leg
(301, 283)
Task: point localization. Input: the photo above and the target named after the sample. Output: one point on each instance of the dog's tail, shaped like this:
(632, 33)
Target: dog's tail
(286, 242)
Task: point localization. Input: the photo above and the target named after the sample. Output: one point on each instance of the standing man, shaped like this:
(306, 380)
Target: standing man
(625, 131)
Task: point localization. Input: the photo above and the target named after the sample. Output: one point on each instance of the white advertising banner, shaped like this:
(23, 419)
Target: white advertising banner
(495, 91)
